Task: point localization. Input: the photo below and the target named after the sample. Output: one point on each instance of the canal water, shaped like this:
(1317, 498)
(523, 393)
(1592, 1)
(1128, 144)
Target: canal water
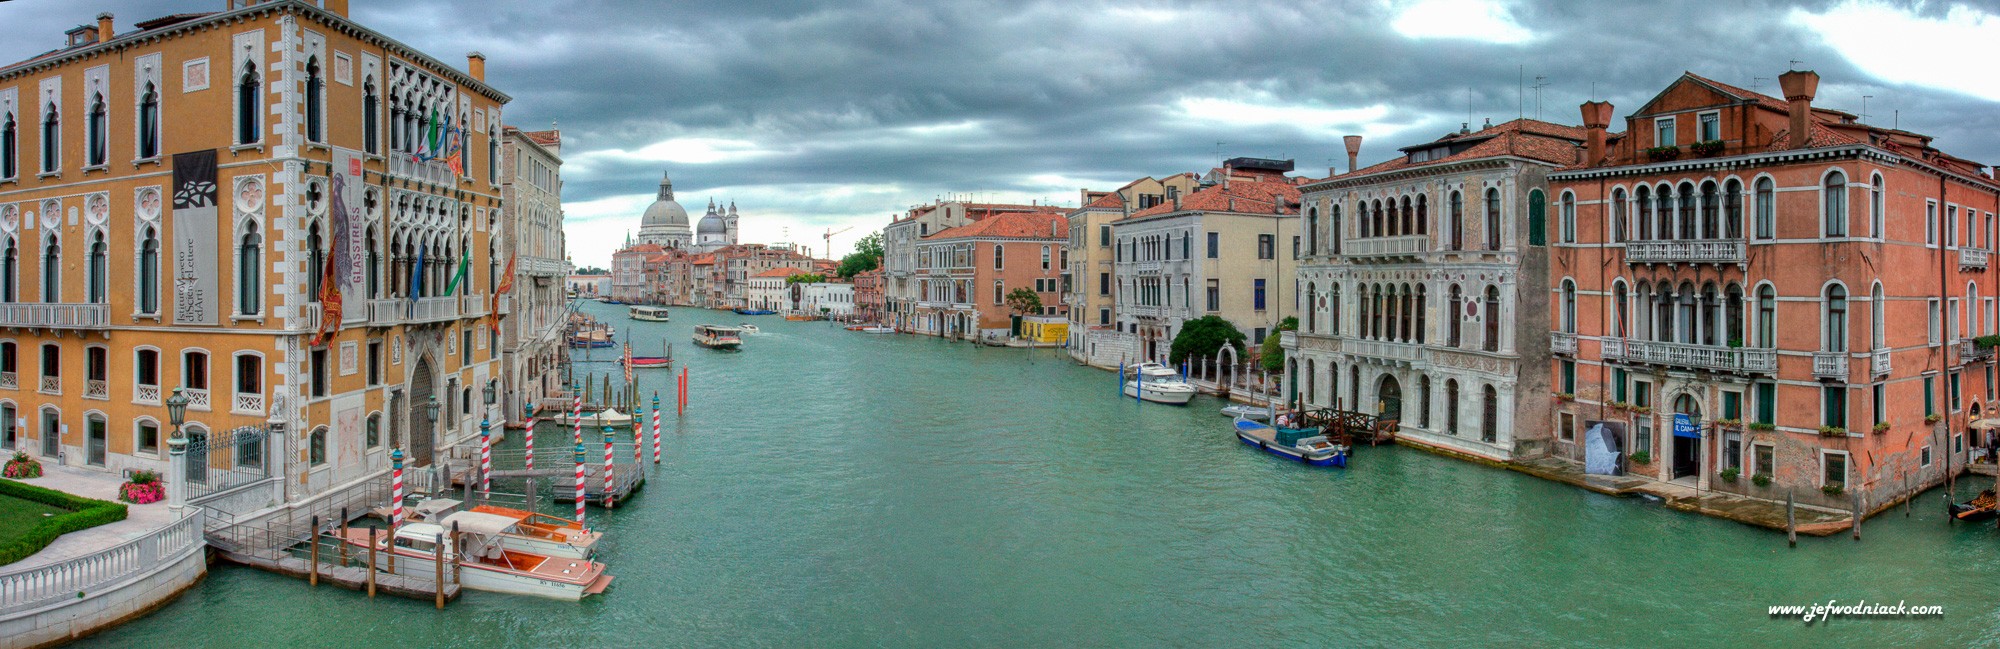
(832, 488)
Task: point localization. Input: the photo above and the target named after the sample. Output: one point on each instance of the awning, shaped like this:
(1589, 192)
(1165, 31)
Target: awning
(1986, 424)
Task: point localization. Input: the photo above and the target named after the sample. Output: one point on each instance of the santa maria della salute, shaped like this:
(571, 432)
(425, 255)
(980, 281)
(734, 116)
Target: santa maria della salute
(666, 224)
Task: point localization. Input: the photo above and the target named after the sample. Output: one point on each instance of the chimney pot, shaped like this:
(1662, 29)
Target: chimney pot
(104, 27)
(1800, 86)
(475, 65)
(336, 7)
(1464, 127)
(1353, 143)
(1596, 118)
(1489, 124)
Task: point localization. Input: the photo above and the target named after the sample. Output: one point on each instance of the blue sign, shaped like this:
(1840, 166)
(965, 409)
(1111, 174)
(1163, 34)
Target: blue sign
(1684, 426)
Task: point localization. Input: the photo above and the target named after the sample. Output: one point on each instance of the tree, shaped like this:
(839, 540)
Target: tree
(867, 256)
(1273, 355)
(592, 270)
(1204, 336)
(1023, 301)
(805, 278)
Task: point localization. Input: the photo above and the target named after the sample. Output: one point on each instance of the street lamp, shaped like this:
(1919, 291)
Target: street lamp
(177, 404)
(431, 410)
(492, 391)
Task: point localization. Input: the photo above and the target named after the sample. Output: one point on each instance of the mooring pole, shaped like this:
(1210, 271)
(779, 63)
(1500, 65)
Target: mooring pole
(371, 563)
(609, 501)
(437, 552)
(457, 557)
(343, 536)
(1791, 519)
(1912, 495)
(313, 579)
(1857, 515)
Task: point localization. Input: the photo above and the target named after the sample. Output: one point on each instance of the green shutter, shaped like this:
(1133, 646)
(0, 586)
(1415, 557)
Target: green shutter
(1767, 403)
(1538, 219)
(1618, 384)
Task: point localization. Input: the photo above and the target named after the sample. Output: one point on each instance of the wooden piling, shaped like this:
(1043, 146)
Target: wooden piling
(1912, 495)
(1857, 515)
(457, 558)
(371, 563)
(312, 579)
(343, 536)
(1791, 519)
(437, 551)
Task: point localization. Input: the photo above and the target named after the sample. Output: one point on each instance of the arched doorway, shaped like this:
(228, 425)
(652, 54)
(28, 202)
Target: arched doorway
(1686, 440)
(1389, 399)
(422, 390)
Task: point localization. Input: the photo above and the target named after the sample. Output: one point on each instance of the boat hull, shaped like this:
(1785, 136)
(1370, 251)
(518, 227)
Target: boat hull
(1173, 397)
(729, 346)
(1969, 513)
(648, 318)
(1255, 434)
(477, 576)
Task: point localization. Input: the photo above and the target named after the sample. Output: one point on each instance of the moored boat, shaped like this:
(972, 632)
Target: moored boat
(1246, 411)
(743, 311)
(1301, 444)
(1981, 507)
(652, 362)
(647, 313)
(524, 531)
(877, 329)
(487, 563)
(718, 337)
(1159, 384)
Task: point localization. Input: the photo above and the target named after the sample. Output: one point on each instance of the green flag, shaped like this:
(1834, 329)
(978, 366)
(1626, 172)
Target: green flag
(464, 265)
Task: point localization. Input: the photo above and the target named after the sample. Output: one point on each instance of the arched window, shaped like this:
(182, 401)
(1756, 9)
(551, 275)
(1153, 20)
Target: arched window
(1875, 223)
(250, 271)
(371, 128)
(1568, 306)
(149, 122)
(1620, 311)
(316, 447)
(1334, 233)
(1312, 309)
(1619, 214)
(1423, 305)
(373, 266)
(1836, 319)
(1711, 218)
(1568, 217)
(1409, 217)
(1457, 226)
(10, 271)
(1833, 204)
(493, 155)
(1424, 401)
(395, 118)
(315, 261)
(1489, 416)
(1663, 212)
(95, 135)
(1644, 198)
(52, 269)
(1333, 304)
(1875, 319)
(1492, 219)
(1538, 219)
(10, 139)
(1452, 319)
(149, 271)
(315, 96)
(1687, 217)
(1492, 318)
(51, 139)
(1423, 215)
(1312, 230)
(1732, 209)
(1767, 208)
(99, 268)
(1451, 406)
(248, 91)
(374, 434)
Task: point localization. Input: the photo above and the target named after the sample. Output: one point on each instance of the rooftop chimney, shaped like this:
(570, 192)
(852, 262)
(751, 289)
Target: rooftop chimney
(1464, 128)
(104, 30)
(475, 65)
(1353, 143)
(336, 7)
(1800, 86)
(1596, 118)
(1489, 124)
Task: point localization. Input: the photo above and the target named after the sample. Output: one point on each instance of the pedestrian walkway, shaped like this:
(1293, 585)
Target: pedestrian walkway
(139, 519)
(1763, 513)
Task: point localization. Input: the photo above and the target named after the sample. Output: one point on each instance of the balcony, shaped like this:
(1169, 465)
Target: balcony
(1562, 343)
(1704, 357)
(96, 389)
(1969, 351)
(1879, 362)
(197, 397)
(470, 306)
(385, 312)
(1715, 251)
(310, 316)
(433, 309)
(1972, 257)
(544, 266)
(250, 403)
(1288, 340)
(143, 393)
(1406, 246)
(1383, 350)
(55, 316)
(1830, 365)
(506, 304)
(1611, 348)
(10, 381)
(433, 172)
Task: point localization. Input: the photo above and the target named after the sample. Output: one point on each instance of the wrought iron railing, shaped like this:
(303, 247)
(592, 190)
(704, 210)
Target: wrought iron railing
(1717, 251)
(55, 316)
(1830, 365)
(99, 571)
(1708, 357)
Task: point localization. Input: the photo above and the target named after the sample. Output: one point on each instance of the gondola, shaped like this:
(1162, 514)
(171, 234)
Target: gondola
(1980, 508)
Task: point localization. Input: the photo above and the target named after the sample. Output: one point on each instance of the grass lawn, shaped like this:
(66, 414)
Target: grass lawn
(18, 515)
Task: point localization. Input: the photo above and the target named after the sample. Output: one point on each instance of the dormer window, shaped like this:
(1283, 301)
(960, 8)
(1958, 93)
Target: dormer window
(1663, 131)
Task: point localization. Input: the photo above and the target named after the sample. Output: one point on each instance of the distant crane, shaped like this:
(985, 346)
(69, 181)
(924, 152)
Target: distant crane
(828, 237)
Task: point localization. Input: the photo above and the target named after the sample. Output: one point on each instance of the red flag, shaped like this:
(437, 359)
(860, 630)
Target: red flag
(506, 284)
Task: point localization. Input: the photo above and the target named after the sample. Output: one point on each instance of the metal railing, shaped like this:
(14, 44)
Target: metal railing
(1716, 251)
(1708, 357)
(1562, 342)
(434, 309)
(1399, 246)
(99, 571)
(1969, 257)
(1830, 365)
(55, 316)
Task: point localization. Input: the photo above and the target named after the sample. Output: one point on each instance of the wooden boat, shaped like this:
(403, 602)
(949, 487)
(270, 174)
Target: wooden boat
(529, 532)
(743, 311)
(856, 327)
(1159, 384)
(1300, 444)
(487, 562)
(652, 362)
(647, 313)
(581, 342)
(1980, 508)
(718, 337)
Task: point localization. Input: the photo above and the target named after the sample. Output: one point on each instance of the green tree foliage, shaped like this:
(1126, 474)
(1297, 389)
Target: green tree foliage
(1204, 336)
(1273, 355)
(805, 278)
(867, 256)
(1024, 301)
(592, 270)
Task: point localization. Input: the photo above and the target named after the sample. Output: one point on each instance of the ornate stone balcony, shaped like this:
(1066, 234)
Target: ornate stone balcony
(1969, 257)
(1383, 350)
(386, 312)
(1406, 246)
(248, 403)
(1879, 362)
(52, 385)
(1706, 251)
(55, 316)
(434, 309)
(96, 389)
(10, 381)
(146, 393)
(197, 397)
(1830, 365)
(1562, 343)
(1705, 357)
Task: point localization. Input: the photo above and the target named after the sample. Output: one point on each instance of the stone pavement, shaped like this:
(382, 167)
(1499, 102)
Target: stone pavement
(139, 519)
(1812, 521)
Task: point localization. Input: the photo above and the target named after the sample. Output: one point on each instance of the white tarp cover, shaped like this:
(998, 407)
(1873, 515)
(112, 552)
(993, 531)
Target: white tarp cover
(1600, 450)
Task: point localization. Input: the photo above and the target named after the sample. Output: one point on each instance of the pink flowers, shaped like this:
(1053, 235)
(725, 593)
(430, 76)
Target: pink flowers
(144, 488)
(22, 467)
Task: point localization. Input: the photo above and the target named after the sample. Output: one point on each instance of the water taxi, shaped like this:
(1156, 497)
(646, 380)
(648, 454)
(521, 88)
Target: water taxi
(744, 311)
(1159, 384)
(525, 531)
(749, 328)
(718, 337)
(1302, 444)
(487, 564)
(876, 329)
(647, 313)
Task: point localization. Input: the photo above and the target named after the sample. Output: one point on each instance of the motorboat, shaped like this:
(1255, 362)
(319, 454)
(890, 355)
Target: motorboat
(743, 311)
(605, 417)
(718, 337)
(799, 316)
(524, 531)
(1301, 444)
(749, 328)
(1247, 411)
(651, 362)
(1159, 384)
(647, 313)
(483, 560)
(877, 329)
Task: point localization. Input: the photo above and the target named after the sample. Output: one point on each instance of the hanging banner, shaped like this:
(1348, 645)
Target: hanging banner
(195, 247)
(1684, 426)
(349, 229)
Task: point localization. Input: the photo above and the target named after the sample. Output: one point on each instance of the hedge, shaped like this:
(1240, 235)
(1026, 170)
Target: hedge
(85, 513)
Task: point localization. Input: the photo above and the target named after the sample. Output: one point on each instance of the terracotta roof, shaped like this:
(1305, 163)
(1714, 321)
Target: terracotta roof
(1110, 201)
(1762, 99)
(545, 138)
(704, 260)
(1243, 196)
(1010, 225)
(1819, 136)
(1552, 143)
(781, 272)
(645, 248)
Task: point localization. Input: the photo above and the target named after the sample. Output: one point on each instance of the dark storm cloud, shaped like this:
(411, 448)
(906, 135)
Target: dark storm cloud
(776, 104)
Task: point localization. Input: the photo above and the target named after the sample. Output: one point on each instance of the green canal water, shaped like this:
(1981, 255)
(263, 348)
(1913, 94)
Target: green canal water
(830, 488)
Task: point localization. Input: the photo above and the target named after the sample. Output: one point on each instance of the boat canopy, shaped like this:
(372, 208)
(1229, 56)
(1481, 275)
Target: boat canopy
(426, 532)
(480, 523)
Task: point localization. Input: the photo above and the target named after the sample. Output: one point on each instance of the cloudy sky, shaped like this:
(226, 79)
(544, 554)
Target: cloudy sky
(835, 114)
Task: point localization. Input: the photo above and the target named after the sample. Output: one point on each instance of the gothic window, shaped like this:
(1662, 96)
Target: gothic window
(1457, 227)
(250, 271)
(99, 267)
(149, 271)
(51, 139)
(1619, 213)
(371, 129)
(10, 271)
(9, 139)
(248, 89)
(52, 270)
(96, 135)
(149, 122)
(315, 94)
(1766, 206)
(1836, 319)
(1492, 219)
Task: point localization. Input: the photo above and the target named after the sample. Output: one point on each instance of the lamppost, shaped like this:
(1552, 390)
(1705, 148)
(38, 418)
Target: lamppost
(431, 416)
(177, 404)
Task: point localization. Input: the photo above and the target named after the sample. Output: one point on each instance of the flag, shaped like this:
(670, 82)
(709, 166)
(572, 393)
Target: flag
(506, 284)
(329, 299)
(417, 276)
(464, 266)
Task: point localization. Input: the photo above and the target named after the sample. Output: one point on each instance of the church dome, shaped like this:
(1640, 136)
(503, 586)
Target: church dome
(665, 212)
(712, 224)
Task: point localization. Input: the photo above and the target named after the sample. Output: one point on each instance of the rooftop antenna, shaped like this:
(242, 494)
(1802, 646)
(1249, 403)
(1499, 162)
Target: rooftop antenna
(1218, 152)
(1540, 83)
(1468, 105)
(1593, 90)
(1897, 120)
(1520, 91)
(1757, 82)
(1795, 63)
(1864, 107)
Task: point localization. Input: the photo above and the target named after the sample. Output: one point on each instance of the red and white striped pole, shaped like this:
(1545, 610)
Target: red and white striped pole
(396, 490)
(638, 438)
(485, 456)
(656, 426)
(607, 466)
(579, 483)
(528, 454)
(577, 414)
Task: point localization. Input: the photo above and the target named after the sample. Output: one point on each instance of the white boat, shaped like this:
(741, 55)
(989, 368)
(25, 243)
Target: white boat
(605, 417)
(1159, 384)
(749, 328)
(1247, 411)
(488, 564)
(718, 337)
(877, 329)
(647, 313)
(527, 532)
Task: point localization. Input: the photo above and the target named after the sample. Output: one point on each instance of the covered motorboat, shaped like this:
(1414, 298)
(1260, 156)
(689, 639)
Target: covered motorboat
(1301, 444)
(1159, 384)
(529, 532)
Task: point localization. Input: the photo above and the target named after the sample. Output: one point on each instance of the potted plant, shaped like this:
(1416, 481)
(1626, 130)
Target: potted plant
(22, 467)
(1642, 457)
(1731, 424)
(1663, 153)
(1933, 418)
(1620, 405)
(1707, 148)
(1881, 427)
(1736, 343)
(1832, 431)
(1729, 475)
(1565, 396)
(1833, 489)
(1644, 410)
(143, 488)
(1987, 342)
(1761, 479)
(1758, 425)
